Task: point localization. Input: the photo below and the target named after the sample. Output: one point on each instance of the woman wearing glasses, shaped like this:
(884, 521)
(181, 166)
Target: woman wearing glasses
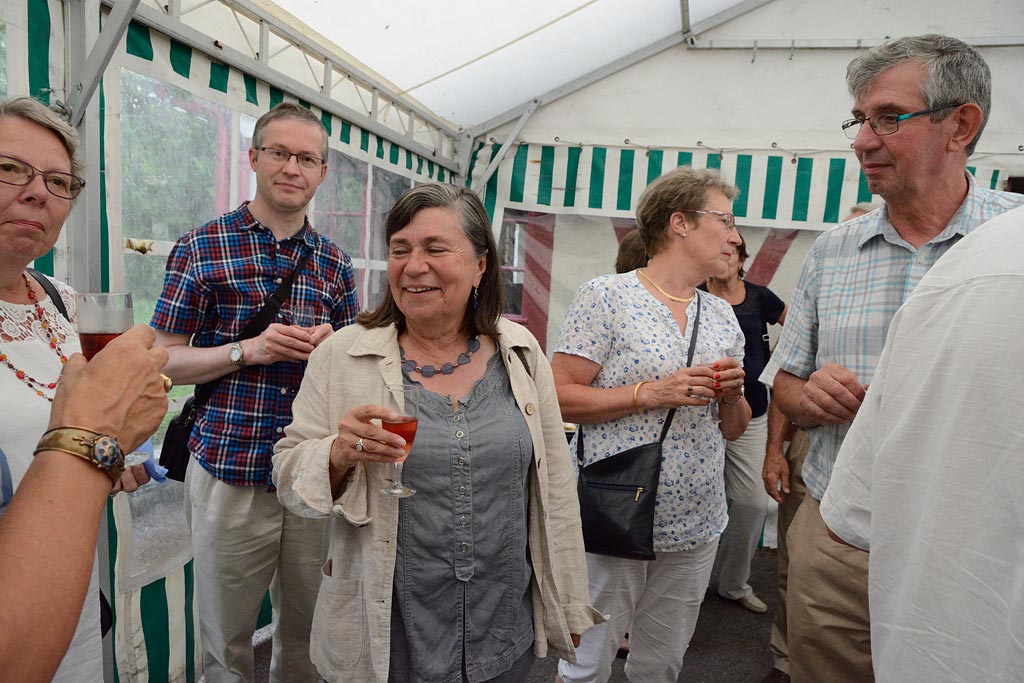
(619, 367)
(39, 178)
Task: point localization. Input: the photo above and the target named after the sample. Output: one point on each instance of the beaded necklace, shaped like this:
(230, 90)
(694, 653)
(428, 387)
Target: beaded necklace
(448, 368)
(32, 382)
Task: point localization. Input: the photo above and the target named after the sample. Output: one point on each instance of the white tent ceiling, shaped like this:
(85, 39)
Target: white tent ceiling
(469, 61)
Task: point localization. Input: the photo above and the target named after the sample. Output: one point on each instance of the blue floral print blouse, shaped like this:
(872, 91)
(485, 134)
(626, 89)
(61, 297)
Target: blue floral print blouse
(615, 322)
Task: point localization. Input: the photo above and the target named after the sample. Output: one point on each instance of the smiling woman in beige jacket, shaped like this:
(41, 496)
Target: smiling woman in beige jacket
(334, 461)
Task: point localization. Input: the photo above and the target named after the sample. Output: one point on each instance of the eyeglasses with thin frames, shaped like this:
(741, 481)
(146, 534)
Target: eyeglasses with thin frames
(727, 219)
(280, 156)
(18, 172)
(887, 124)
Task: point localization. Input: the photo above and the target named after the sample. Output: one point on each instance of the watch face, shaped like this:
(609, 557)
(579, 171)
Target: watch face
(235, 354)
(106, 451)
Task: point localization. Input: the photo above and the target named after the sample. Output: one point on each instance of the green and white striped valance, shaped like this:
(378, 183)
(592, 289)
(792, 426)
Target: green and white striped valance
(777, 190)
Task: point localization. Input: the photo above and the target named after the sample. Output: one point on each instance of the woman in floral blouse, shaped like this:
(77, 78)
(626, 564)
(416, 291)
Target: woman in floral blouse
(620, 365)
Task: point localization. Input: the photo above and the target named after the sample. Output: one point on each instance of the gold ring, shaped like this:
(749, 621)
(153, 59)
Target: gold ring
(168, 383)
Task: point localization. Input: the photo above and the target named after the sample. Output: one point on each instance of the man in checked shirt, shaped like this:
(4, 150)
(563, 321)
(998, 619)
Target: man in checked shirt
(217, 277)
(919, 107)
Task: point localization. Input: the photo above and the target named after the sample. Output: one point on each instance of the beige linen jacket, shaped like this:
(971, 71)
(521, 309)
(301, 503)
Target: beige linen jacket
(351, 635)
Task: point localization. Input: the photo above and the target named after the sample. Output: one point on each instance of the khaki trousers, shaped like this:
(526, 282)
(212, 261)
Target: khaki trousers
(829, 634)
(795, 455)
(245, 542)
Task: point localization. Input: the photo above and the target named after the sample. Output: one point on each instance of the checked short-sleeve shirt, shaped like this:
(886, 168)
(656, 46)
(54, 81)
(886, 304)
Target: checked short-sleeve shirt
(217, 278)
(855, 278)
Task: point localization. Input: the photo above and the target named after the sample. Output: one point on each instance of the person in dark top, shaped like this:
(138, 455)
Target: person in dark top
(755, 307)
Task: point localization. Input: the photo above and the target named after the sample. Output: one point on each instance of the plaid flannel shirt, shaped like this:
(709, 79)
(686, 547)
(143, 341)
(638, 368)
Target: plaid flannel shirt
(217, 278)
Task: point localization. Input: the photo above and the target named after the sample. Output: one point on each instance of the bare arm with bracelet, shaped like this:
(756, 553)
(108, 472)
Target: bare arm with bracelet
(48, 531)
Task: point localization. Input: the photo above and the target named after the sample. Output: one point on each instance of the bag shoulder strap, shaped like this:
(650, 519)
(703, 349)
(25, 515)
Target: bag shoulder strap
(671, 413)
(274, 301)
(51, 291)
(259, 322)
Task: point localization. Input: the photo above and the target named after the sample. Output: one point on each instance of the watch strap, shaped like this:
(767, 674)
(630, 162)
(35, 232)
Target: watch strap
(101, 450)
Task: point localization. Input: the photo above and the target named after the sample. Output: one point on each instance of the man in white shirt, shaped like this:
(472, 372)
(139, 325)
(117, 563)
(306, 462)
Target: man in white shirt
(929, 477)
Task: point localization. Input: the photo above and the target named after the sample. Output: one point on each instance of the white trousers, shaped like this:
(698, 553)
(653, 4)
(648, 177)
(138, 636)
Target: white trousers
(657, 602)
(748, 507)
(245, 542)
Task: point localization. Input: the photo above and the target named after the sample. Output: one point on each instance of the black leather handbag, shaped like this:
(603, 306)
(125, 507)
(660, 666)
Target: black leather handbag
(174, 453)
(617, 494)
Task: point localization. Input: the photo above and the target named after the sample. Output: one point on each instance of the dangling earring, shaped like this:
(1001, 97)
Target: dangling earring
(476, 298)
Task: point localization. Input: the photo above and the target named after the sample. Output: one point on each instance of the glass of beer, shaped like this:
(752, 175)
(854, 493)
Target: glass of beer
(102, 316)
(405, 426)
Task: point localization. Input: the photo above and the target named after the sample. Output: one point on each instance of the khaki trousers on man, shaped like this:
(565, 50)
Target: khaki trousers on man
(243, 542)
(829, 628)
(787, 510)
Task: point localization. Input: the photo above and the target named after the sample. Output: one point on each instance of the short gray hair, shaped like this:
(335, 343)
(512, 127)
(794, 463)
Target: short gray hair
(955, 73)
(33, 111)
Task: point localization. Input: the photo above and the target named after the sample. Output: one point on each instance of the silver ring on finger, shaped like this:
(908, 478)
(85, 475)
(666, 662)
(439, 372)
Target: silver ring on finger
(359, 445)
(689, 391)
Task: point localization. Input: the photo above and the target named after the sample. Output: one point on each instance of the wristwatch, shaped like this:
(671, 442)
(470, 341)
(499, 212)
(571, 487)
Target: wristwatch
(101, 450)
(237, 354)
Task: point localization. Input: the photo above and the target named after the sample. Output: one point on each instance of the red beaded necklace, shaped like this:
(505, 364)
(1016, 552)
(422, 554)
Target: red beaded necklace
(32, 382)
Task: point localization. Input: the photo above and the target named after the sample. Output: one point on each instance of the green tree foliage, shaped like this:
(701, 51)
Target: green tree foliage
(173, 146)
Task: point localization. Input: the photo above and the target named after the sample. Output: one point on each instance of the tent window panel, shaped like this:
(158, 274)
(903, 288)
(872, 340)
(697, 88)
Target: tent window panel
(512, 257)
(387, 188)
(168, 189)
(160, 538)
(340, 210)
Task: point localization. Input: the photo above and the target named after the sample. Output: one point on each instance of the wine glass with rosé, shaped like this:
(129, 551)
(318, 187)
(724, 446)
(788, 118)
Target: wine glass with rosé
(102, 316)
(404, 426)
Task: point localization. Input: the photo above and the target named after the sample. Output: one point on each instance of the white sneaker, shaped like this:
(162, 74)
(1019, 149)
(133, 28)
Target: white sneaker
(753, 603)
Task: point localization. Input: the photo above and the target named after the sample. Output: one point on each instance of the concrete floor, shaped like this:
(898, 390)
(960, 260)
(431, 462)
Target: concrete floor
(730, 644)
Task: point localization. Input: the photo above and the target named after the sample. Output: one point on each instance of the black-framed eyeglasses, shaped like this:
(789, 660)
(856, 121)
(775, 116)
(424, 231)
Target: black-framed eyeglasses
(727, 219)
(887, 124)
(15, 171)
(282, 157)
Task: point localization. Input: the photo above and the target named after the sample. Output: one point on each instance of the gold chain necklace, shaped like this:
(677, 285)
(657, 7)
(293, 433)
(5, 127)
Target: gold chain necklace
(677, 299)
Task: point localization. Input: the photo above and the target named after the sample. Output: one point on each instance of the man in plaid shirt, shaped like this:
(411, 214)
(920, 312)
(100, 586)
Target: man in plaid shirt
(920, 104)
(218, 276)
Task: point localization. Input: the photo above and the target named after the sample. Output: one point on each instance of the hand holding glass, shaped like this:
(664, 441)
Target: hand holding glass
(102, 316)
(302, 314)
(707, 358)
(404, 426)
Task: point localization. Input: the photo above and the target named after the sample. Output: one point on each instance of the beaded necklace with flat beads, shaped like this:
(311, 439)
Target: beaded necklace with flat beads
(32, 382)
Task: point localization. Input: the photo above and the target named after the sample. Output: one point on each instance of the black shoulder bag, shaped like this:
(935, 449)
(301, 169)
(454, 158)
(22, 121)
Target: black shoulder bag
(174, 454)
(617, 494)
